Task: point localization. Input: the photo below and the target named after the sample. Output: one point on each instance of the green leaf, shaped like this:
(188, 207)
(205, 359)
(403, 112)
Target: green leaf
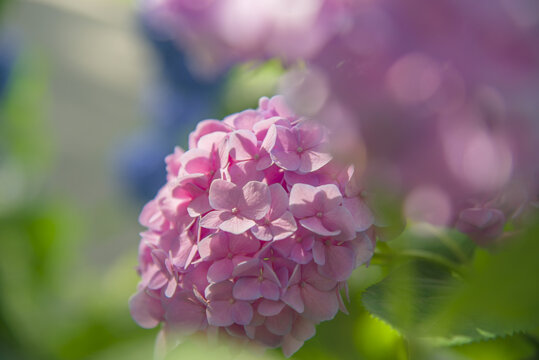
(497, 297)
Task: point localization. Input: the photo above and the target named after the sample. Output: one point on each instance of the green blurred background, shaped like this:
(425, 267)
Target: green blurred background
(69, 230)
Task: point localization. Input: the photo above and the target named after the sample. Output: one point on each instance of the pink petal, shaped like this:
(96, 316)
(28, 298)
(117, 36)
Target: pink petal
(286, 160)
(206, 127)
(214, 219)
(214, 246)
(292, 297)
(256, 200)
(267, 338)
(243, 172)
(279, 201)
(301, 200)
(269, 290)
(284, 226)
(340, 219)
(270, 307)
(319, 253)
(242, 312)
(224, 195)
(291, 345)
(340, 262)
(319, 305)
(196, 161)
(220, 270)
(300, 255)
(243, 145)
(315, 225)
(303, 329)
(314, 278)
(219, 291)
(236, 225)
(247, 288)
(171, 288)
(199, 206)
(242, 244)
(145, 310)
(328, 197)
(309, 134)
(245, 119)
(185, 313)
(363, 217)
(280, 324)
(219, 313)
(262, 232)
(313, 159)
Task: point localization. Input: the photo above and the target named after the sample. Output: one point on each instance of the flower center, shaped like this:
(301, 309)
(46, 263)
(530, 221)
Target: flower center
(299, 149)
(266, 221)
(229, 255)
(257, 156)
(319, 214)
(234, 211)
(299, 239)
(232, 300)
(302, 284)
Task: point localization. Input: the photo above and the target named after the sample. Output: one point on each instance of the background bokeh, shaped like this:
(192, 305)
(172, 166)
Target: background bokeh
(90, 108)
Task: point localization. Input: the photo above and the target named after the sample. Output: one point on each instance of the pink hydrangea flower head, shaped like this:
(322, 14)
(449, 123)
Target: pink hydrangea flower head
(253, 235)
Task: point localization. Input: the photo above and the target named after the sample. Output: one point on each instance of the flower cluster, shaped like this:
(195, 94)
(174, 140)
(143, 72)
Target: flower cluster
(217, 34)
(254, 234)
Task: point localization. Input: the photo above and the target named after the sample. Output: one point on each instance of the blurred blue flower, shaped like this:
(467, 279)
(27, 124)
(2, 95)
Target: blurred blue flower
(174, 103)
(8, 55)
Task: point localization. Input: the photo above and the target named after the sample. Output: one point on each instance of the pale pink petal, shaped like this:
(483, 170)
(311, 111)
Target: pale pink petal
(220, 270)
(300, 255)
(242, 244)
(206, 127)
(291, 345)
(199, 206)
(284, 226)
(145, 310)
(256, 200)
(286, 160)
(340, 219)
(224, 195)
(280, 324)
(219, 291)
(242, 312)
(185, 314)
(309, 134)
(219, 313)
(196, 161)
(301, 200)
(319, 253)
(262, 232)
(303, 329)
(267, 338)
(292, 297)
(245, 119)
(363, 216)
(247, 288)
(328, 197)
(314, 278)
(236, 225)
(242, 145)
(243, 172)
(269, 290)
(270, 307)
(171, 287)
(214, 246)
(319, 305)
(279, 201)
(340, 262)
(313, 159)
(315, 225)
(264, 161)
(214, 219)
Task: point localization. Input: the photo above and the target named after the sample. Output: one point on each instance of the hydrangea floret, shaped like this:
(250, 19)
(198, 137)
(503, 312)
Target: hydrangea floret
(254, 234)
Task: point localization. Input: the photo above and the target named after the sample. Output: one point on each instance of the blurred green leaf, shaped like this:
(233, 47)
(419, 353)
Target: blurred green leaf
(498, 296)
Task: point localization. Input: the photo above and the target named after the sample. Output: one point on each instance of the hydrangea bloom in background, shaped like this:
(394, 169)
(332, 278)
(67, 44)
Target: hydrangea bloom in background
(394, 79)
(254, 234)
(217, 34)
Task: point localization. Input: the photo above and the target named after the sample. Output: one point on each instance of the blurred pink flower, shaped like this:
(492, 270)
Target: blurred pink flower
(241, 243)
